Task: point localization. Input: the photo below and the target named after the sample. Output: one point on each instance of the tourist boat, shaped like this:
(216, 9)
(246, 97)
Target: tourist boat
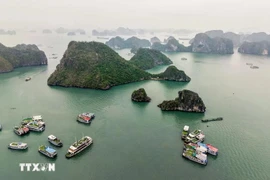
(55, 141)
(18, 145)
(47, 151)
(185, 132)
(85, 117)
(195, 156)
(79, 146)
(210, 148)
(213, 119)
(196, 147)
(197, 134)
(34, 126)
(192, 140)
(28, 79)
(20, 130)
(38, 119)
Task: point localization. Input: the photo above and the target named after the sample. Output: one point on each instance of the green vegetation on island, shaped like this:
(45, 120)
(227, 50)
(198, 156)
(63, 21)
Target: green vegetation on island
(172, 74)
(140, 96)
(148, 58)
(172, 45)
(120, 43)
(186, 101)
(20, 56)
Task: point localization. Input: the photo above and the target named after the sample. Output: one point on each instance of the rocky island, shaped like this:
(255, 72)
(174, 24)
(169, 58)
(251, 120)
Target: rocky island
(121, 31)
(9, 32)
(20, 56)
(186, 101)
(204, 44)
(46, 31)
(71, 33)
(172, 74)
(172, 46)
(155, 40)
(120, 43)
(94, 65)
(148, 58)
(257, 48)
(140, 96)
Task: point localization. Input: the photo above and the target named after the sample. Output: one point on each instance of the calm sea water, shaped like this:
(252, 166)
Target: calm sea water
(139, 141)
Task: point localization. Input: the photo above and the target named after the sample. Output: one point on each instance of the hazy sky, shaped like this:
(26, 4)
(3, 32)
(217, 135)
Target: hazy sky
(191, 14)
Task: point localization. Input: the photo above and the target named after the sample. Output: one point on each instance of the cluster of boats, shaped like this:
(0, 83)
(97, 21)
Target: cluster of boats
(34, 123)
(194, 148)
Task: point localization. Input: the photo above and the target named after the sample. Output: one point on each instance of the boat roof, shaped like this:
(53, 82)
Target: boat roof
(50, 150)
(37, 117)
(186, 128)
(72, 148)
(52, 137)
(212, 147)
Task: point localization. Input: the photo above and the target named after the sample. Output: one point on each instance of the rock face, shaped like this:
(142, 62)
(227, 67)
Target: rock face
(172, 46)
(187, 101)
(172, 74)
(20, 56)
(94, 65)
(257, 48)
(149, 58)
(46, 31)
(204, 44)
(155, 40)
(120, 43)
(140, 96)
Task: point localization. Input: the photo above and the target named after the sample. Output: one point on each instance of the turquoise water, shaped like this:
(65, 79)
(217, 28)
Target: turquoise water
(139, 141)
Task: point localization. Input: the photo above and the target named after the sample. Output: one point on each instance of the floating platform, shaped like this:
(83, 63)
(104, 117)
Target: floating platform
(214, 119)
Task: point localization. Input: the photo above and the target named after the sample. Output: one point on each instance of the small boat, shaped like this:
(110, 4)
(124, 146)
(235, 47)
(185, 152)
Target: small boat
(47, 151)
(183, 59)
(254, 67)
(196, 147)
(198, 134)
(37, 119)
(34, 126)
(213, 119)
(28, 79)
(18, 145)
(250, 64)
(210, 148)
(55, 141)
(21, 130)
(185, 132)
(79, 146)
(195, 156)
(85, 117)
(0, 127)
(192, 140)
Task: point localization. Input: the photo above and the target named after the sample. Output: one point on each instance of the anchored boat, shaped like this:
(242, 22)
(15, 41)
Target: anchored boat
(195, 156)
(55, 141)
(79, 146)
(47, 151)
(0, 127)
(28, 79)
(185, 132)
(37, 119)
(213, 119)
(18, 145)
(196, 147)
(20, 130)
(210, 148)
(198, 134)
(85, 117)
(34, 126)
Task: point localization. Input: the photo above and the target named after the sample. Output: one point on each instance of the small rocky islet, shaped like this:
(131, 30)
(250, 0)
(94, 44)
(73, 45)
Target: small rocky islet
(20, 56)
(140, 96)
(187, 101)
(120, 43)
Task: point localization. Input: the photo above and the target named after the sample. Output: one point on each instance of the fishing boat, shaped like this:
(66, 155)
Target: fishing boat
(34, 126)
(47, 151)
(192, 140)
(185, 132)
(28, 79)
(20, 130)
(197, 134)
(210, 148)
(195, 156)
(213, 119)
(38, 119)
(18, 145)
(196, 147)
(55, 141)
(85, 117)
(79, 146)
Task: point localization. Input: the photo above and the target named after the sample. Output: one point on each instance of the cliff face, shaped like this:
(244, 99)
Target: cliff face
(120, 43)
(155, 40)
(140, 96)
(257, 48)
(94, 65)
(172, 74)
(20, 56)
(149, 58)
(204, 44)
(187, 101)
(172, 46)
(258, 37)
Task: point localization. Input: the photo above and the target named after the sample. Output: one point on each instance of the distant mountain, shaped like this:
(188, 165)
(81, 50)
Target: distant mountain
(121, 31)
(257, 48)
(257, 37)
(120, 43)
(3, 32)
(149, 58)
(46, 31)
(155, 40)
(172, 45)
(20, 56)
(61, 30)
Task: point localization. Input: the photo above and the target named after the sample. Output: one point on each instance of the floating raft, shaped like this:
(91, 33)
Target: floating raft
(214, 119)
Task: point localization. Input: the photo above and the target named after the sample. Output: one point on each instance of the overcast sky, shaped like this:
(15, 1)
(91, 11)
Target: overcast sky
(189, 14)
